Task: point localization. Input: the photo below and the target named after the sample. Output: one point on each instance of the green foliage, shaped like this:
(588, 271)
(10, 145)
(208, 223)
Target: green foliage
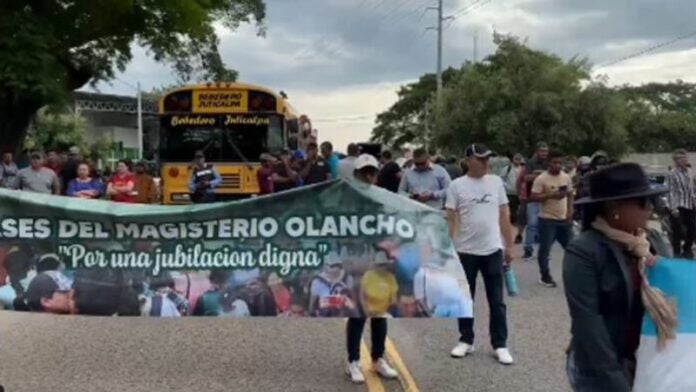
(57, 131)
(405, 122)
(661, 116)
(50, 48)
(518, 96)
(58, 46)
(510, 101)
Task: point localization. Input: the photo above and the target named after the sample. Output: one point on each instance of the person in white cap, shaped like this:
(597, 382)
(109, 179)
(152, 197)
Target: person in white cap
(366, 170)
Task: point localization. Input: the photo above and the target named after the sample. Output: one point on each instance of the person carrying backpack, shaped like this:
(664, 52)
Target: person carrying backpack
(163, 300)
(208, 304)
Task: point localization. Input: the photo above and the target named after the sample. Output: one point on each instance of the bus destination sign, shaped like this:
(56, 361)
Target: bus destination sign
(220, 101)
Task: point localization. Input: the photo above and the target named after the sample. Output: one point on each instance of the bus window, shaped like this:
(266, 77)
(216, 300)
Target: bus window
(293, 127)
(275, 135)
(246, 142)
(180, 144)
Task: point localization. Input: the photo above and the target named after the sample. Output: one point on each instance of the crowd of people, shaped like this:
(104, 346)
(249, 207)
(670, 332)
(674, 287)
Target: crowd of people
(74, 176)
(537, 196)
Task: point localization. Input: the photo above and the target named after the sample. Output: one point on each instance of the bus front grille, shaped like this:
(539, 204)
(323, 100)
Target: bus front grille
(233, 181)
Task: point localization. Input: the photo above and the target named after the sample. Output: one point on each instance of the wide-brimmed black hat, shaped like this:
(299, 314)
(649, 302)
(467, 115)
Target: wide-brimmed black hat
(619, 182)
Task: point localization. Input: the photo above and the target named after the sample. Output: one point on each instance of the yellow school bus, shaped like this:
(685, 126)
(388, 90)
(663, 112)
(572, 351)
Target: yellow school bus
(233, 124)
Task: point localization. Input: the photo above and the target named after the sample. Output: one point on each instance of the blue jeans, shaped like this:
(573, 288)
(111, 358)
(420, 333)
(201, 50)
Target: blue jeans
(551, 231)
(532, 231)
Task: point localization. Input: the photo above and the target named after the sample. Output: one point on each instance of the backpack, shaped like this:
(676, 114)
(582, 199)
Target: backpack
(259, 299)
(208, 304)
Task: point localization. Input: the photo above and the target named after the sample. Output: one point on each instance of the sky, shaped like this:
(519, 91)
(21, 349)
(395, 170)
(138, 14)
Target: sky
(342, 61)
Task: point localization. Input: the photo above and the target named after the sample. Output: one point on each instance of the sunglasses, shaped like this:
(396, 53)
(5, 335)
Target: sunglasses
(646, 202)
(338, 266)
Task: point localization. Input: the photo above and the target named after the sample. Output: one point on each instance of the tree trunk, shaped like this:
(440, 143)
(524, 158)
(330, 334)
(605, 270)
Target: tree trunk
(15, 117)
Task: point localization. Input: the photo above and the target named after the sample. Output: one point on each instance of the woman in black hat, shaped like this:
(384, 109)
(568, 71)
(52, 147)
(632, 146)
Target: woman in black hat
(604, 279)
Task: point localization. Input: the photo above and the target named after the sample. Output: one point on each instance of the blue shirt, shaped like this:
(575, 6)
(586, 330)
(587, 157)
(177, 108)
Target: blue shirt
(435, 180)
(78, 186)
(333, 166)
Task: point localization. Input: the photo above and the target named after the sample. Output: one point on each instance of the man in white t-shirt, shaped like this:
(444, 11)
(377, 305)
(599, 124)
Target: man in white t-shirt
(479, 224)
(346, 166)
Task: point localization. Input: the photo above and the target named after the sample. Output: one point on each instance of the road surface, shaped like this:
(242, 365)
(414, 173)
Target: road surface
(49, 353)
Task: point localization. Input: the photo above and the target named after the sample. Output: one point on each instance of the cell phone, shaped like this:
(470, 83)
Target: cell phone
(564, 188)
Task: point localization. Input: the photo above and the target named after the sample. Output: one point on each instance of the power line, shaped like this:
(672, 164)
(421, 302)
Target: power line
(116, 78)
(400, 14)
(310, 48)
(475, 6)
(648, 50)
(378, 5)
(466, 7)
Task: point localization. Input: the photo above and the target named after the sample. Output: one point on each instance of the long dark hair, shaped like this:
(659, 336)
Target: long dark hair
(589, 213)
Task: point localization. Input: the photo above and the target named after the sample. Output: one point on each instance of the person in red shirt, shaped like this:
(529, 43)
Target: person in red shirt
(53, 161)
(121, 186)
(265, 174)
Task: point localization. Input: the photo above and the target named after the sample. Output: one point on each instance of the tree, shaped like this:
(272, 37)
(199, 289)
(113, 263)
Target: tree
(57, 131)
(52, 47)
(518, 96)
(661, 116)
(405, 121)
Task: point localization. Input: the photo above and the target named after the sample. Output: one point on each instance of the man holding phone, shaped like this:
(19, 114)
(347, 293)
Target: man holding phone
(426, 182)
(553, 189)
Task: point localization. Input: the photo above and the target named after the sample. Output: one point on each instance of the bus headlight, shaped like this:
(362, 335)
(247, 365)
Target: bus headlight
(181, 197)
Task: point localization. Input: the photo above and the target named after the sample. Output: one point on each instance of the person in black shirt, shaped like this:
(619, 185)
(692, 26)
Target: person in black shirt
(390, 173)
(69, 170)
(316, 168)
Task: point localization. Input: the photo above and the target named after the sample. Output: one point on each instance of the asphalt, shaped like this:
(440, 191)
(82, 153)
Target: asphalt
(53, 353)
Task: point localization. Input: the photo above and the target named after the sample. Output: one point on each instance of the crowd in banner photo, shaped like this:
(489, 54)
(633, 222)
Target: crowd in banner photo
(269, 263)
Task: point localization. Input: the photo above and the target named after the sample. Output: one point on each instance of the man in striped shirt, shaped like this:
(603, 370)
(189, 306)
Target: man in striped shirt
(682, 204)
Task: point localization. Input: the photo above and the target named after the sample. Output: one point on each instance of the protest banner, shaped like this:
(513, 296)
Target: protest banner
(672, 368)
(337, 249)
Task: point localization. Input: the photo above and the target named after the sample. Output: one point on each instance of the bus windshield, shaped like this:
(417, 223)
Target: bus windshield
(224, 141)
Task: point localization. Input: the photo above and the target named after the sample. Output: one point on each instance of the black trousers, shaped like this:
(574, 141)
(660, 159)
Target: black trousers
(491, 268)
(514, 203)
(683, 232)
(354, 331)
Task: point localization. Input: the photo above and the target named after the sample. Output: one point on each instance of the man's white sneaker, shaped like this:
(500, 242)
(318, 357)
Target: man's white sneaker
(355, 373)
(504, 356)
(461, 350)
(383, 369)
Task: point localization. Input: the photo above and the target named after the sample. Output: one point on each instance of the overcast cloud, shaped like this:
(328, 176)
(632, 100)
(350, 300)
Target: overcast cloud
(341, 61)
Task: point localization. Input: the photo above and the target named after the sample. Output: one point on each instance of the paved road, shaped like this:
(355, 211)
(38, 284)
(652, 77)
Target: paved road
(45, 353)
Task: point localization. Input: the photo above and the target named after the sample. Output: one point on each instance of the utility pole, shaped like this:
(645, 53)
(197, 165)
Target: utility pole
(439, 48)
(140, 122)
(476, 47)
(440, 21)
